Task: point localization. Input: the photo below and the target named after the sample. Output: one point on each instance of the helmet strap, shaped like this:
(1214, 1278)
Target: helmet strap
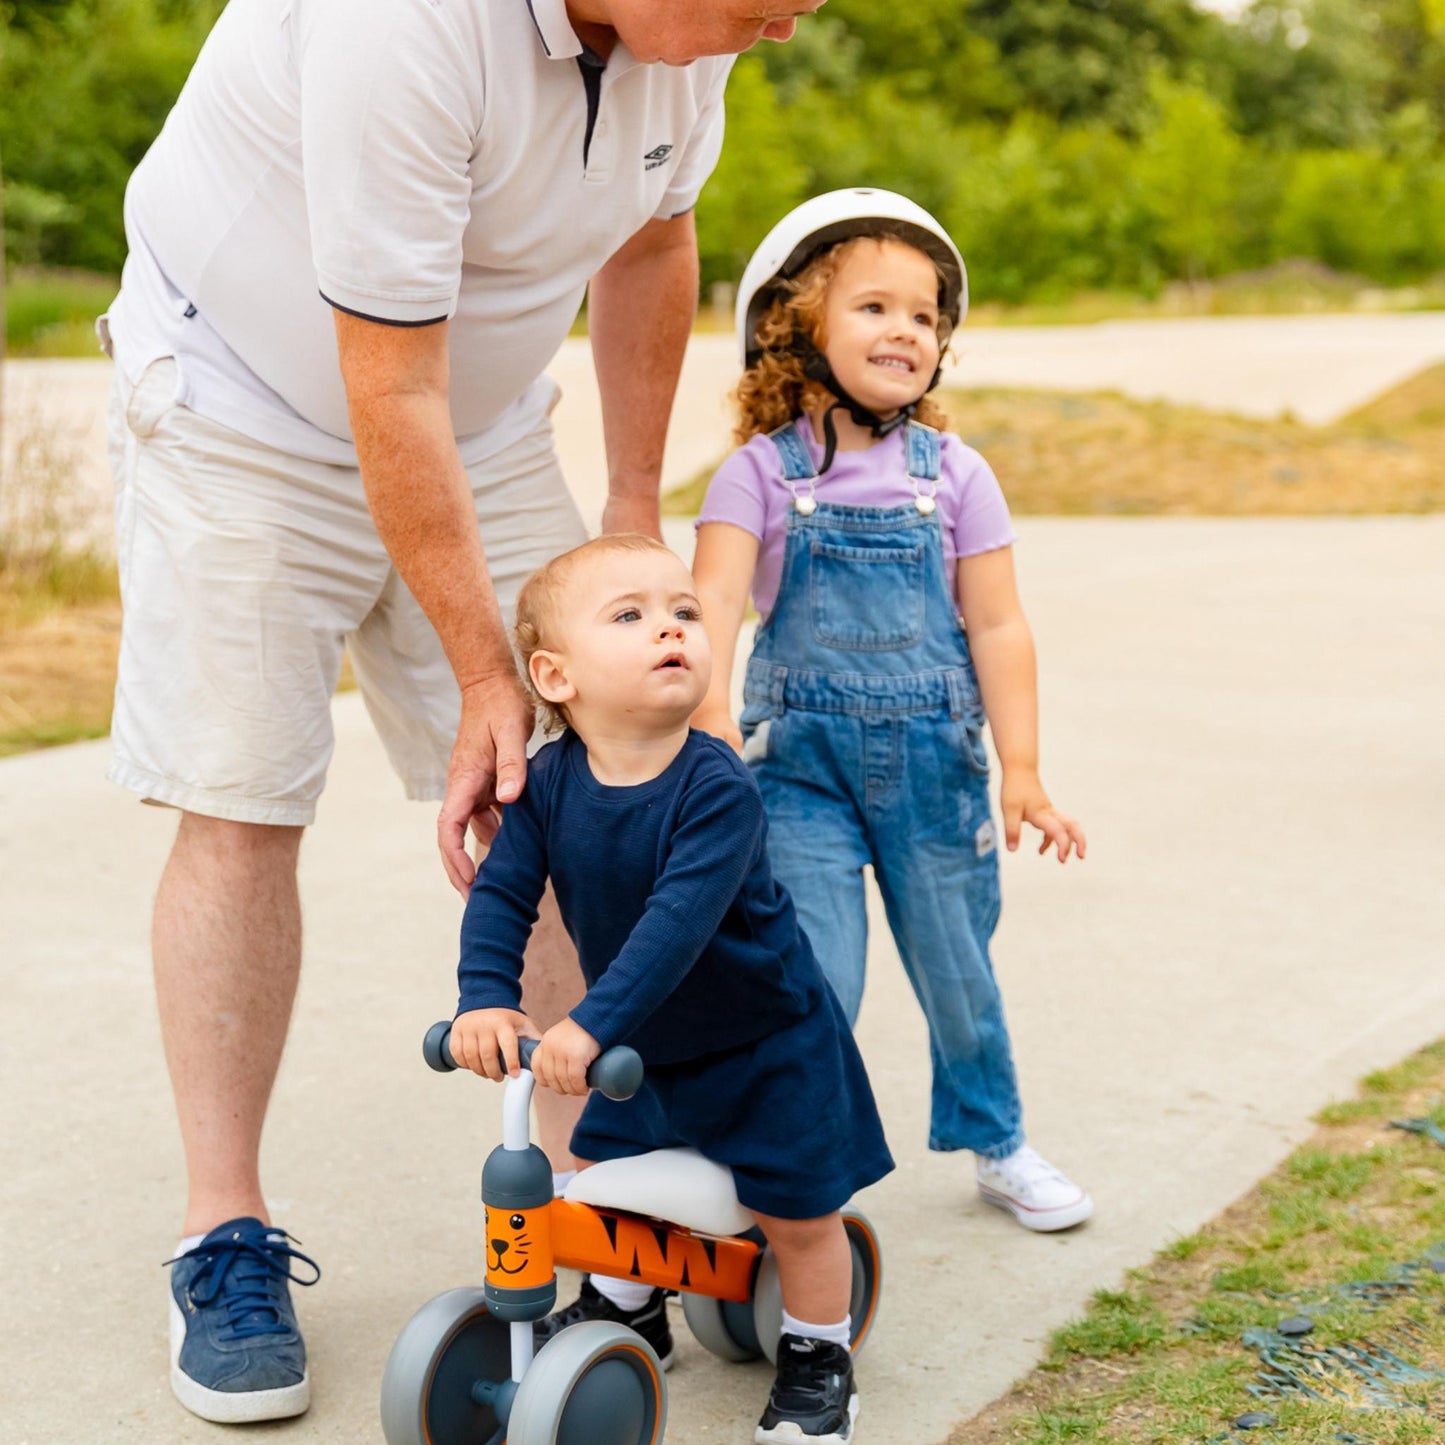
(816, 368)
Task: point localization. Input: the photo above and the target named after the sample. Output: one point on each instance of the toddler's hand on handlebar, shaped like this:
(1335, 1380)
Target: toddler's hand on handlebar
(483, 1039)
(563, 1056)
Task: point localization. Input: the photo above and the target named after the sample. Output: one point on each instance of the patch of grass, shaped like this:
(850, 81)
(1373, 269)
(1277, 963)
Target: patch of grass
(1118, 1322)
(1162, 1361)
(1107, 455)
(1337, 1175)
(1185, 1247)
(1408, 1075)
(52, 313)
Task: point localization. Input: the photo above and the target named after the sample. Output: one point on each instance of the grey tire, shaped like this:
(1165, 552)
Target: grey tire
(449, 1344)
(592, 1384)
(722, 1327)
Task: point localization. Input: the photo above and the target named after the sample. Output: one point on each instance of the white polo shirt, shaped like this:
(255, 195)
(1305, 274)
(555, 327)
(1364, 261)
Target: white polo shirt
(407, 161)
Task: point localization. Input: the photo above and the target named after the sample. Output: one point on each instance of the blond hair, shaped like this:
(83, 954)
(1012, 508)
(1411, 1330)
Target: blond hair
(774, 390)
(539, 608)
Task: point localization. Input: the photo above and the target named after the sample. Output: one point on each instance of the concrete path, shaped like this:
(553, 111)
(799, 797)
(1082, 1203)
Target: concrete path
(1245, 714)
(1314, 367)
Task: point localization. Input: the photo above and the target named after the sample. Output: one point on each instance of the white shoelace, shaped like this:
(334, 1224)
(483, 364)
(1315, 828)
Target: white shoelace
(1026, 1166)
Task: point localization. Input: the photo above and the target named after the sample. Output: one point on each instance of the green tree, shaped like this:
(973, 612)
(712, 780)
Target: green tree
(1085, 60)
(1188, 161)
(83, 92)
(1412, 36)
(1310, 73)
(927, 51)
(760, 175)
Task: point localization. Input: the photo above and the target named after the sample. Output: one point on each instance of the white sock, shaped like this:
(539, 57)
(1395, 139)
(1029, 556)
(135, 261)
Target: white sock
(187, 1244)
(561, 1178)
(839, 1334)
(626, 1294)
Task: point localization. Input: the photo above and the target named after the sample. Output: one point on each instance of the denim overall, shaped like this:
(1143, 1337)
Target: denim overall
(863, 725)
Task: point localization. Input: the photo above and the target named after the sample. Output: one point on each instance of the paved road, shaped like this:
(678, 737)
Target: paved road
(1315, 367)
(1246, 714)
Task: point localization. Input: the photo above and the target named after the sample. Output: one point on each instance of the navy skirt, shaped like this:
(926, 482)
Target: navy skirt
(791, 1114)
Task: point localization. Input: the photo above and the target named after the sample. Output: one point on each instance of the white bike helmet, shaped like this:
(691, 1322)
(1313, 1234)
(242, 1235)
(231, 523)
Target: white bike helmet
(837, 216)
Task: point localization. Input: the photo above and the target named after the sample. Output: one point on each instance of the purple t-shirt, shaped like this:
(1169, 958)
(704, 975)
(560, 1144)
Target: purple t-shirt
(749, 491)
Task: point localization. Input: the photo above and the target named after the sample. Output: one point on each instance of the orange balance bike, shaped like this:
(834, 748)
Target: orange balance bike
(463, 1370)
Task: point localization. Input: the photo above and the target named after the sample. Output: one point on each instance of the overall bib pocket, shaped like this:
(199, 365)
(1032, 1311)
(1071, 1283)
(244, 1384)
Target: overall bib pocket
(889, 580)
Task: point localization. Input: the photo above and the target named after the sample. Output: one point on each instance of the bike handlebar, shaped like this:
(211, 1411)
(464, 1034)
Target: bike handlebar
(617, 1072)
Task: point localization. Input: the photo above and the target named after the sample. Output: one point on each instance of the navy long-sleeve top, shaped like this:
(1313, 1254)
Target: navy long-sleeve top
(687, 943)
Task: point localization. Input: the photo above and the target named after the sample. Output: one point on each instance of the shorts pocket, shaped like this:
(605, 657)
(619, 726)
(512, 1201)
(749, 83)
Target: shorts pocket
(153, 398)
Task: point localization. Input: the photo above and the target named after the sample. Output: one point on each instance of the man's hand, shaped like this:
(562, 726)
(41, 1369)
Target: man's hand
(563, 1057)
(484, 1040)
(1023, 800)
(488, 765)
(721, 724)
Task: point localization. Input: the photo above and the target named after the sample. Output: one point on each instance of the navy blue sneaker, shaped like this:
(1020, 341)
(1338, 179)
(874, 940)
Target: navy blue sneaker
(236, 1353)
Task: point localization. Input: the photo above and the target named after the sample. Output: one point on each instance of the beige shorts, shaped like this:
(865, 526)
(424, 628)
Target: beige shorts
(245, 572)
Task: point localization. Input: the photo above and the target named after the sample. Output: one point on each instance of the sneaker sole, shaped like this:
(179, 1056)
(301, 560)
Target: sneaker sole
(231, 1407)
(788, 1433)
(1041, 1221)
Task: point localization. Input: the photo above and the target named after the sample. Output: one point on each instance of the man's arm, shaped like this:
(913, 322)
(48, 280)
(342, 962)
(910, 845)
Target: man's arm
(640, 310)
(397, 391)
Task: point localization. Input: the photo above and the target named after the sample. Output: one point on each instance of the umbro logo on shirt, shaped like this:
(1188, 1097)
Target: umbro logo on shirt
(655, 158)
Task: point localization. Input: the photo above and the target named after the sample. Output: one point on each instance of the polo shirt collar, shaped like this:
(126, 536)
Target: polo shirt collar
(554, 29)
(561, 42)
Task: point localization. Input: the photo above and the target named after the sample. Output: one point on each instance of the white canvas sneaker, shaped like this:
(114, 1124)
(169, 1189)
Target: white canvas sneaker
(1033, 1191)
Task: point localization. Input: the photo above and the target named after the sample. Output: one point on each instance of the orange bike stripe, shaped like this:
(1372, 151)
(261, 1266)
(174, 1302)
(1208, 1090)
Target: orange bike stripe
(628, 1246)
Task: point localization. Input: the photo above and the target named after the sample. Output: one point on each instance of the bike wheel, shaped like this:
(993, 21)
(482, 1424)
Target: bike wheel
(867, 1275)
(722, 1327)
(450, 1344)
(592, 1384)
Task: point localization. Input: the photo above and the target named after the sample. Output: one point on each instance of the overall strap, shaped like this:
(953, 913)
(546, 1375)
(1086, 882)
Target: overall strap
(797, 467)
(924, 453)
(797, 464)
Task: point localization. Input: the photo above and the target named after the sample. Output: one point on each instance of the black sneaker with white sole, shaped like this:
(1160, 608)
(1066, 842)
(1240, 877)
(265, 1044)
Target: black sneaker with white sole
(813, 1401)
(650, 1321)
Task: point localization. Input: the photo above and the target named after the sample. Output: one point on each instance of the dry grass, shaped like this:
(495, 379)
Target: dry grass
(1108, 455)
(1105, 455)
(57, 671)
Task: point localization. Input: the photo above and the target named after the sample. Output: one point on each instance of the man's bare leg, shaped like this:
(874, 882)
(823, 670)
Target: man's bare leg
(227, 946)
(551, 988)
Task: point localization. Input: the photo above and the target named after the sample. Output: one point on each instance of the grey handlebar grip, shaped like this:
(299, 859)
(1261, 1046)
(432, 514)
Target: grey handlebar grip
(617, 1073)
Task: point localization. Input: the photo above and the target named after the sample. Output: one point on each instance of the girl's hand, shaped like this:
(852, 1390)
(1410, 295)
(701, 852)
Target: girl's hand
(484, 1040)
(720, 723)
(1023, 800)
(562, 1058)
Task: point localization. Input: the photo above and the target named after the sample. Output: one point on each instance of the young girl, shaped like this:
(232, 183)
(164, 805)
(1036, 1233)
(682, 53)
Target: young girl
(863, 529)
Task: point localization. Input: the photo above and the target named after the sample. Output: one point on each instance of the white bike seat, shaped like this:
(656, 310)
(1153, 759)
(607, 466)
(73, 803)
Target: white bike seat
(677, 1185)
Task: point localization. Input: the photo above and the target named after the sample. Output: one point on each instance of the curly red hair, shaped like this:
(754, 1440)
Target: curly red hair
(773, 390)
